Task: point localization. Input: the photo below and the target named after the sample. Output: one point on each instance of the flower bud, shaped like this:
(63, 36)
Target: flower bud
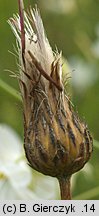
(56, 142)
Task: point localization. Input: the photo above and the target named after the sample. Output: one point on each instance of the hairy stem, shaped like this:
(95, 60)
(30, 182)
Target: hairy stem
(65, 188)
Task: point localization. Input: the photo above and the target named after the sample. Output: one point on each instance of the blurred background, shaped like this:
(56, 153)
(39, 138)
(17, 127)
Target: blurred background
(72, 26)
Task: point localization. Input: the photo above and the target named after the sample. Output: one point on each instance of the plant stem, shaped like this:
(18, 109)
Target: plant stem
(65, 188)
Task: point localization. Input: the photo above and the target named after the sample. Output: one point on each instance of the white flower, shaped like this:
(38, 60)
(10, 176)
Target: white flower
(16, 176)
(45, 187)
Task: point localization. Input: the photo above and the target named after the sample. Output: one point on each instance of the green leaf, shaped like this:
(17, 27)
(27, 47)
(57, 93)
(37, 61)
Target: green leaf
(10, 90)
(96, 144)
(88, 194)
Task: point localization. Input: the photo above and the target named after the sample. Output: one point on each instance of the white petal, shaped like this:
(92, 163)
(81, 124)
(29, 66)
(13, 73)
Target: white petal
(10, 144)
(26, 194)
(19, 173)
(8, 192)
(45, 187)
(22, 176)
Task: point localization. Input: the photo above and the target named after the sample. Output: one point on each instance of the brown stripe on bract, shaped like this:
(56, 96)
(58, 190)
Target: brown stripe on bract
(82, 150)
(63, 111)
(52, 135)
(41, 151)
(88, 143)
(70, 133)
(76, 122)
(90, 137)
(48, 108)
(30, 128)
(29, 151)
(60, 149)
(61, 122)
(61, 154)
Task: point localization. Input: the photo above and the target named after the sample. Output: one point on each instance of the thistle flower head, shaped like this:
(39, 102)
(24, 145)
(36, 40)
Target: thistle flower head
(56, 142)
